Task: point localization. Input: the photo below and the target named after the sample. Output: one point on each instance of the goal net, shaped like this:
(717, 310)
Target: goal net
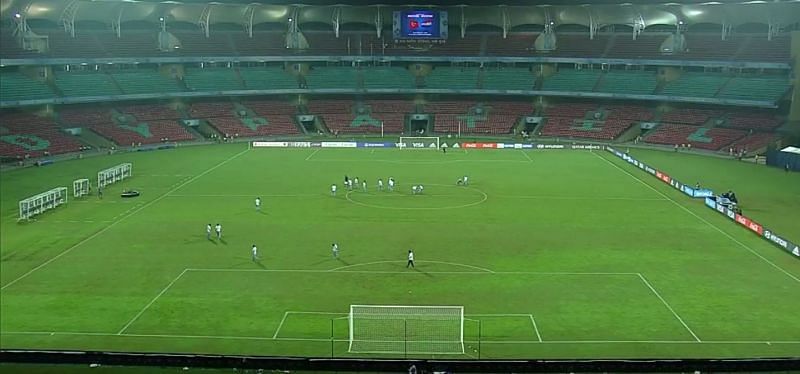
(406, 329)
(418, 142)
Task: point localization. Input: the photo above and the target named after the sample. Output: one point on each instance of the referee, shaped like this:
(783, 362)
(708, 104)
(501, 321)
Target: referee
(410, 259)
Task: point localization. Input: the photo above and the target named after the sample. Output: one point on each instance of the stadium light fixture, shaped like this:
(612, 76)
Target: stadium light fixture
(17, 15)
(694, 12)
(161, 19)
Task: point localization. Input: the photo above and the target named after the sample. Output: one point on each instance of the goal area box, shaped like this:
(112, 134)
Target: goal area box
(406, 329)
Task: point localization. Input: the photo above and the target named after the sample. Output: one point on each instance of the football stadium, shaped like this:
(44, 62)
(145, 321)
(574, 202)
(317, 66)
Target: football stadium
(551, 186)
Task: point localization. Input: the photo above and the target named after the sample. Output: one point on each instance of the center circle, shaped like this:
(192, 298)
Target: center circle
(434, 197)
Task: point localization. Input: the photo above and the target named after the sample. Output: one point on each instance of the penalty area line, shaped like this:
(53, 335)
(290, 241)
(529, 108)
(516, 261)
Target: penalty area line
(275, 336)
(163, 291)
(687, 210)
(313, 153)
(666, 304)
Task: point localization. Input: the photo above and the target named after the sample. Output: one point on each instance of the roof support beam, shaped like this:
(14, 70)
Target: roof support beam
(638, 23)
(593, 26)
(249, 13)
(67, 18)
(378, 21)
(205, 20)
(505, 19)
(116, 24)
(336, 19)
(463, 22)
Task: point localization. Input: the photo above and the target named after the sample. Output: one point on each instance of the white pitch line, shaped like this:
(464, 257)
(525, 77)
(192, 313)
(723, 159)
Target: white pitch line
(729, 236)
(157, 199)
(223, 337)
(546, 197)
(666, 304)
(526, 155)
(535, 328)
(329, 271)
(248, 196)
(275, 336)
(163, 291)
(400, 261)
(313, 153)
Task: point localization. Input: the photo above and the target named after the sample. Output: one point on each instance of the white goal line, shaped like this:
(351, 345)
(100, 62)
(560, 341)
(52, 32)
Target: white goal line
(263, 338)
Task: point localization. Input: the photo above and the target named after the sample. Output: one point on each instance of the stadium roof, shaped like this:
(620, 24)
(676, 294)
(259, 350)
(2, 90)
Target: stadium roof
(511, 14)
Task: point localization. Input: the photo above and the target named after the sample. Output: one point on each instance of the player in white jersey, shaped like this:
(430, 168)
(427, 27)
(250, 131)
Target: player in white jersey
(208, 231)
(335, 250)
(391, 184)
(364, 185)
(414, 189)
(410, 259)
(258, 204)
(333, 189)
(254, 251)
(380, 184)
(466, 180)
(419, 189)
(356, 182)
(218, 228)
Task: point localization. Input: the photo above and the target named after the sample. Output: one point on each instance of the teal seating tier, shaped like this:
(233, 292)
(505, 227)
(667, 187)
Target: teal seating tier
(571, 80)
(756, 88)
(16, 86)
(696, 85)
(145, 82)
(86, 84)
(211, 79)
(445, 77)
(267, 78)
(388, 77)
(508, 79)
(627, 82)
(332, 77)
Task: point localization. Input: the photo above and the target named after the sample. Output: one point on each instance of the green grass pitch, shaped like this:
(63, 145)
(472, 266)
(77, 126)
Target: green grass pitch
(555, 254)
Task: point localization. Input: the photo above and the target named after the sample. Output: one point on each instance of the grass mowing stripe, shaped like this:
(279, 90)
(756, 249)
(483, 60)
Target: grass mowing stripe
(666, 304)
(163, 291)
(526, 155)
(157, 199)
(729, 236)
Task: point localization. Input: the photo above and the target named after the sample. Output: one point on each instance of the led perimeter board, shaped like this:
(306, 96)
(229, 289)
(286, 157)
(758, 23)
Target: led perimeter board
(420, 26)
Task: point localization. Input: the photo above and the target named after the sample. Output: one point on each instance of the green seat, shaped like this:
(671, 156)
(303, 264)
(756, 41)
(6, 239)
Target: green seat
(628, 82)
(756, 88)
(86, 84)
(145, 81)
(696, 85)
(571, 80)
(388, 77)
(508, 79)
(446, 77)
(17, 86)
(211, 79)
(267, 78)
(333, 77)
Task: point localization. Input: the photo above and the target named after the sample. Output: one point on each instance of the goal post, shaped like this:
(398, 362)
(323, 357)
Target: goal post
(114, 174)
(42, 202)
(406, 329)
(418, 142)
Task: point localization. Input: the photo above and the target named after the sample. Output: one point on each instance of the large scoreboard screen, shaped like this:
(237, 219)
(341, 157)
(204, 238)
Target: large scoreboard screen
(420, 25)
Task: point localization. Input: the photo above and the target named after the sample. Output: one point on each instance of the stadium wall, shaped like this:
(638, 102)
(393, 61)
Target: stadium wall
(794, 112)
